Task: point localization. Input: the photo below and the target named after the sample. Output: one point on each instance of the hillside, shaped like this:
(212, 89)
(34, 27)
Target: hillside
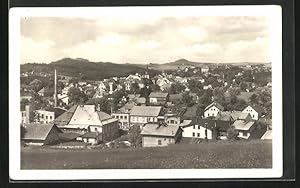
(83, 68)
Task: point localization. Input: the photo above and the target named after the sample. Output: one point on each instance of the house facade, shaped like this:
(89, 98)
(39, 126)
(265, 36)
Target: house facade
(49, 114)
(158, 98)
(89, 118)
(159, 135)
(141, 115)
(213, 110)
(255, 111)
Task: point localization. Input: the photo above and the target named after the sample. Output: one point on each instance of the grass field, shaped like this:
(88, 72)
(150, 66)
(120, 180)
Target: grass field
(239, 154)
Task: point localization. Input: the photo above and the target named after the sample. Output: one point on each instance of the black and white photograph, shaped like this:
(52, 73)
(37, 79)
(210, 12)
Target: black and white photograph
(145, 92)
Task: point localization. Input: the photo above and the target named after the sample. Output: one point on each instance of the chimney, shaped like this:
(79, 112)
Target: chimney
(55, 88)
(27, 113)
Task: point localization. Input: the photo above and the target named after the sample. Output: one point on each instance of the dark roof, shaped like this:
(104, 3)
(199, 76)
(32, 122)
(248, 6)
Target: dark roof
(216, 105)
(211, 124)
(57, 111)
(36, 131)
(158, 94)
(259, 109)
(68, 136)
(191, 111)
(160, 130)
(65, 118)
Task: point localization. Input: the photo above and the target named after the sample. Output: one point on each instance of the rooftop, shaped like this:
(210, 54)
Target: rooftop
(216, 105)
(243, 125)
(160, 130)
(145, 111)
(158, 94)
(36, 131)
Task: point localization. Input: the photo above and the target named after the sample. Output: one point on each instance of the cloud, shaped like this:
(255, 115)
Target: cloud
(146, 39)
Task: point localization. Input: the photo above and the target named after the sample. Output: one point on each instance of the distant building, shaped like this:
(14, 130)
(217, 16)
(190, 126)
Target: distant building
(204, 69)
(206, 128)
(41, 134)
(255, 111)
(25, 115)
(158, 98)
(158, 135)
(123, 115)
(89, 118)
(244, 128)
(48, 115)
(213, 110)
(141, 115)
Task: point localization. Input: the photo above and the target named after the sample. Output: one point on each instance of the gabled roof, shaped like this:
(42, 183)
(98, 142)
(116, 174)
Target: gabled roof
(37, 131)
(160, 130)
(211, 124)
(220, 107)
(243, 125)
(64, 118)
(259, 109)
(88, 115)
(239, 115)
(158, 94)
(146, 111)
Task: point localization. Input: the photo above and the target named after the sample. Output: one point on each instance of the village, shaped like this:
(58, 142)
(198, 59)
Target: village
(189, 105)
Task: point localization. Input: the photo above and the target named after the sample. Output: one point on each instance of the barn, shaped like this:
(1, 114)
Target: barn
(41, 134)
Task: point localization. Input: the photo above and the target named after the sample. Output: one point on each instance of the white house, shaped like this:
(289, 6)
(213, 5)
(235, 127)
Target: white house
(141, 115)
(213, 110)
(255, 111)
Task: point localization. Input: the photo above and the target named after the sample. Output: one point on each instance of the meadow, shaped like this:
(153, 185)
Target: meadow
(221, 154)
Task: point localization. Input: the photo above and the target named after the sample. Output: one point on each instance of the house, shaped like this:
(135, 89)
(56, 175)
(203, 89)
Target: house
(205, 128)
(25, 114)
(123, 115)
(89, 118)
(244, 128)
(64, 98)
(141, 115)
(48, 115)
(213, 110)
(255, 111)
(158, 98)
(160, 134)
(204, 69)
(41, 134)
(239, 115)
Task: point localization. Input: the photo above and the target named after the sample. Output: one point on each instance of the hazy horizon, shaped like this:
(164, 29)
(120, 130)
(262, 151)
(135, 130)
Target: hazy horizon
(144, 40)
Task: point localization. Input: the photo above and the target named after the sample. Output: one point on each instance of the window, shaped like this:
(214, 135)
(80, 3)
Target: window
(213, 114)
(193, 134)
(198, 126)
(198, 134)
(165, 139)
(172, 121)
(117, 117)
(208, 114)
(125, 117)
(253, 116)
(159, 142)
(46, 117)
(194, 127)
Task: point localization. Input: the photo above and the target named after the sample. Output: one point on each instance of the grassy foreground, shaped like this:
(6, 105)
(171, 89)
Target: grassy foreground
(239, 154)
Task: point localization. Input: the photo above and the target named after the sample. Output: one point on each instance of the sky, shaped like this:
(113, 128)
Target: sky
(143, 40)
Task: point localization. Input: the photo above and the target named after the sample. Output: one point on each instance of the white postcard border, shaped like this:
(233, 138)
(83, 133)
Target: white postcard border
(15, 172)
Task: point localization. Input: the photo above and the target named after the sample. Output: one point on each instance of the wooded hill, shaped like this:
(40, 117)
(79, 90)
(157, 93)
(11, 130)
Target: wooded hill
(85, 69)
